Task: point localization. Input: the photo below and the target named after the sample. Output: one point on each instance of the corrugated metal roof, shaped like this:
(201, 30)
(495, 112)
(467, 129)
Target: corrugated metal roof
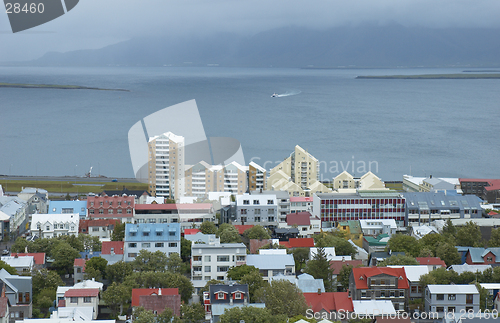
(270, 261)
(452, 289)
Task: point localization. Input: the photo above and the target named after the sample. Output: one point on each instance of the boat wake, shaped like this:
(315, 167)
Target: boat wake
(287, 93)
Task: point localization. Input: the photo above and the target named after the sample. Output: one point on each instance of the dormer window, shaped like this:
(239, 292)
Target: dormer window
(400, 277)
(220, 295)
(237, 295)
(361, 278)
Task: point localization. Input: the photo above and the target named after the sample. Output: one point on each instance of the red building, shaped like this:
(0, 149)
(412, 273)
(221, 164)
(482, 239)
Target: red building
(110, 207)
(157, 299)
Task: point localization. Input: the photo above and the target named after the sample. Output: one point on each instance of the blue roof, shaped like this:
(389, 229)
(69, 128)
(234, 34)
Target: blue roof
(477, 254)
(308, 284)
(152, 232)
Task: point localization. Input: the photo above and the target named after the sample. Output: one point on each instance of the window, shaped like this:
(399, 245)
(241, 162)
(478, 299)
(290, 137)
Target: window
(469, 298)
(222, 269)
(196, 268)
(196, 258)
(240, 258)
(257, 219)
(246, 202)
(61, 226)
(159, 233)
(243, 211)
(119, 211)
(74, 300)
(440, 297)
(110, 211)
(270, 202)
(270, 211)
(94, 229)
(489, 259)
(220, 277)
(256, 202)
(469, 309)
(451, 309)
(271, 219)
(132, 255)
(101, 211)
(133, 234)
(171, 233)
(452, 297)
(208, 258)
(440, 309)
(237, 295)
(172, 244)
(47, 228)
(78, 270)
(208, 269)
(159, 245)
(91, 211)
(256, 211)
(129, 211)
(220, 295)
(132, 245)
(146, 245)
(145, 234)
(222, 258)
(87, 299)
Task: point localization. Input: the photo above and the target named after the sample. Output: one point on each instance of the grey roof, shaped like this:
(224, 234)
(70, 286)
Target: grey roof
(308, 284)
(279, 194)
(286, 230)
(221, 245)
(459, 269)
(453, 289)
(270, 261)
(228, 288)
(423, 200)
(291, 279)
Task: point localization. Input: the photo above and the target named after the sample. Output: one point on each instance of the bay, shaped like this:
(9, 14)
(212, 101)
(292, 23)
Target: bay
(442, 127)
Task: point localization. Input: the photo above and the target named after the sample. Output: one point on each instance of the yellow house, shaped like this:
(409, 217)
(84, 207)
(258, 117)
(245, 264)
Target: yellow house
(352, 230)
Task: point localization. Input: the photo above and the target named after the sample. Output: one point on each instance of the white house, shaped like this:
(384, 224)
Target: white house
(53, 225)
(442, 299)
(23, 264)
(379, 226)
(419, 231)
(84, 297)
(272, 264)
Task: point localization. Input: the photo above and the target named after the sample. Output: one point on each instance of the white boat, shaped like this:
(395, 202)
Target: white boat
(274, 95)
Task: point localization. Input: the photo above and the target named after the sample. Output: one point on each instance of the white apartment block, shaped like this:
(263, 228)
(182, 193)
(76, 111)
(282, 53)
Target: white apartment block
(257, 209)
(54, 225)
(202, 178)
(301, 204)
(166, 165)
(378, 226)
(213, 260)
(164, 237)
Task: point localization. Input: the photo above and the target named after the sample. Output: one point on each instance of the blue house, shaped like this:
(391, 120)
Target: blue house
(62, 207)
(152, 237)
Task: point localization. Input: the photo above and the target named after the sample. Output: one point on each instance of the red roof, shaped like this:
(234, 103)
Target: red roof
(80, 262)
(61, 303)
(171, 206)
(243, 227)
(431, 261)
(301, 199)
(493, 184)
(329, 301)
(82, 292)
(191, 231)
(361, 274)
(299, 218)
(116, 245)
(85, 224)
(338, 264)
(138, 292)
(285, 243)
(343, 302)
(493, 213)
(38, 257)
(301, 242)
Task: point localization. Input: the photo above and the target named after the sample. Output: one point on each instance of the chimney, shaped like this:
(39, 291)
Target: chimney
(430, 176)
(159, 291)
(319, 291)
(343, 259)
(3, 290)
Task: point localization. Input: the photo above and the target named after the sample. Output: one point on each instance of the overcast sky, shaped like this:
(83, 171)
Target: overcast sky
(97, 23)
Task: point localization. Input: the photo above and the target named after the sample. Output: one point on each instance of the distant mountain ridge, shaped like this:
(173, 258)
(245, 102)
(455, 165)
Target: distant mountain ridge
(362, 46)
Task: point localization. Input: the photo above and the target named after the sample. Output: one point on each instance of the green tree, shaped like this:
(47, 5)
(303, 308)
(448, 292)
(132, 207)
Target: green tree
(257, 232)
(90, 243)
(44, 279)
(329, 239)
(301, 317)
(92, 273)
(118, 271)
(300, 255)
(319, 268)
(495, 238)
(282, 298)
(404, 243)
(251, 315)
(185, 249)
(116, 296)
(448, 253)
(208, 227)
(426, 252)
(193, 313)
(228, 233)
(141, 315)
(150, 261)
(118, 232)
(449, 228)
(11, 270)
(64, 257)
(398, 260)
(71, 239)
(20, 245)
(236, 273)
(174, 263)
(166, 316)
(254, 281)
(343, 277)
(469, 235)
(96, 266)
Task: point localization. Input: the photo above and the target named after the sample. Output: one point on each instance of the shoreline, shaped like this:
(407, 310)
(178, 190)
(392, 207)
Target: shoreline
(54, 86)
(431, 76)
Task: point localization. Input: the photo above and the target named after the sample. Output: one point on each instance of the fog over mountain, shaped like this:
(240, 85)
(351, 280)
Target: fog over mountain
(361, 46)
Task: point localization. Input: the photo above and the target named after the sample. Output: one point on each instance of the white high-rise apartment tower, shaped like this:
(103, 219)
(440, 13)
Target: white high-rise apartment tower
(166, 166)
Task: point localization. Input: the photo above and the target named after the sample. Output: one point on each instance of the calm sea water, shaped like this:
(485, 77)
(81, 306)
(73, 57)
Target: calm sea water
(447, 128)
